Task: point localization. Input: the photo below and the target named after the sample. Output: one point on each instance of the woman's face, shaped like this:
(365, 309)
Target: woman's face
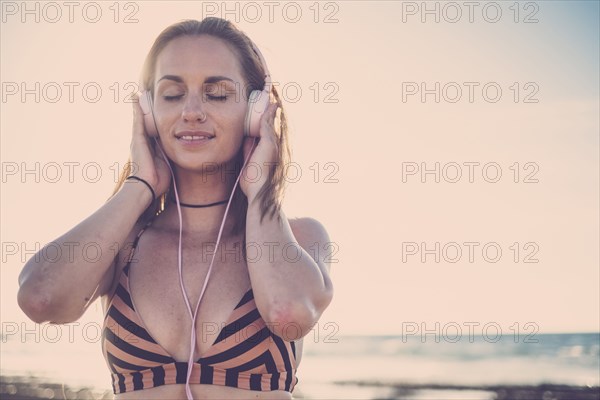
(199, 101)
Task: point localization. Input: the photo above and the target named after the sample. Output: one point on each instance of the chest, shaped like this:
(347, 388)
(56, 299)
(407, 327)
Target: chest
(155, 288)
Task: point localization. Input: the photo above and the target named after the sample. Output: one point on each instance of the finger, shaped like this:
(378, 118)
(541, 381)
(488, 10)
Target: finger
(139, 131)
(248, 144)
(267, 122)
(277, 121)
(269, 113)
(274, 107)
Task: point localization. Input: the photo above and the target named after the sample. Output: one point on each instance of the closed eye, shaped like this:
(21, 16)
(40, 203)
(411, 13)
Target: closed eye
(172, 98)
(216, 98)
(209, 96)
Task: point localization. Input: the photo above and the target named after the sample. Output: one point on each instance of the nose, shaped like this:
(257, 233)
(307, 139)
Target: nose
(193, 109)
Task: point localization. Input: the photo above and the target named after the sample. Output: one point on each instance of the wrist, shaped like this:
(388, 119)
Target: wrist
(273, 211)
(143, 190)
(253, 202)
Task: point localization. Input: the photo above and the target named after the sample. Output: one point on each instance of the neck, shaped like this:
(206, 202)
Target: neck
(182, 204)
(201, 188)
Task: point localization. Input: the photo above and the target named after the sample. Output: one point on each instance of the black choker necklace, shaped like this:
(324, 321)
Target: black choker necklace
(199, 205)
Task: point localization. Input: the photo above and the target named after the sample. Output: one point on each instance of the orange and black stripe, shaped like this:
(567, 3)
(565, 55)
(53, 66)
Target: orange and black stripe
(246, 354)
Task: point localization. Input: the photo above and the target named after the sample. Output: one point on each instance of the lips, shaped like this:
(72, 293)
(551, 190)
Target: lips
(194, 136)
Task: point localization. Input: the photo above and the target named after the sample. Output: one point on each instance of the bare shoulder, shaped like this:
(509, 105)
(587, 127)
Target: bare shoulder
(306, 228)
(313, 238)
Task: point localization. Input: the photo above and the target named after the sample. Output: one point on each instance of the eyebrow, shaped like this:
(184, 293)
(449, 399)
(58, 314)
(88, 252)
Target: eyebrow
(210, 79)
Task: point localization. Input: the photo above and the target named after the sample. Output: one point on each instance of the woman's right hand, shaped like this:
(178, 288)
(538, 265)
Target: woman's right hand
(147, 161)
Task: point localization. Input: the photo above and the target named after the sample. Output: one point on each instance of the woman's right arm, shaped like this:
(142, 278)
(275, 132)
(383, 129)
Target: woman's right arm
(61, 280)
(59, 287)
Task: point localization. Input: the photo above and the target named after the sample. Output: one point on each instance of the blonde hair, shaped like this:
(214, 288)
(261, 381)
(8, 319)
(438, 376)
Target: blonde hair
(271, 194)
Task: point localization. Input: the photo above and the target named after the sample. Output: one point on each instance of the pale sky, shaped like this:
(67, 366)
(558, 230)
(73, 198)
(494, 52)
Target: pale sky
(360, 131)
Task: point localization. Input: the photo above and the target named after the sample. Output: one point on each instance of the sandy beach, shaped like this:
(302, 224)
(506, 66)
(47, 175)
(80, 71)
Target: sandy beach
(23, 387)
(496, 392)
(27, 387)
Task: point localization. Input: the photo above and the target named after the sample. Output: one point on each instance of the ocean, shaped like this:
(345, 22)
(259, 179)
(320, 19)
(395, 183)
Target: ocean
(350, 367)
(382, 362)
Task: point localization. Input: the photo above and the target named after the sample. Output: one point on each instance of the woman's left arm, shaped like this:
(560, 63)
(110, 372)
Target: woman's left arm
(291, 286)
(288, 263)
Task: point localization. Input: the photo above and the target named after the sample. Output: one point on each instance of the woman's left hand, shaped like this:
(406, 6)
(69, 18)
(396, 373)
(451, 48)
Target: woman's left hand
(263, 157)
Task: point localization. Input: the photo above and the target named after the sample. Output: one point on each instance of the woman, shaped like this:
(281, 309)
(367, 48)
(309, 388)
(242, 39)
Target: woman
(268, 286)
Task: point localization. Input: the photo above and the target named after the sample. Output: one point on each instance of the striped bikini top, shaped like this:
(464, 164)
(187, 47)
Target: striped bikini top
(245, 355)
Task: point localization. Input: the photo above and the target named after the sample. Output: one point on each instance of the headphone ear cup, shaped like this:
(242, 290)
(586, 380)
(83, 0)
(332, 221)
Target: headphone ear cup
(257, 105)
(146, 106)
